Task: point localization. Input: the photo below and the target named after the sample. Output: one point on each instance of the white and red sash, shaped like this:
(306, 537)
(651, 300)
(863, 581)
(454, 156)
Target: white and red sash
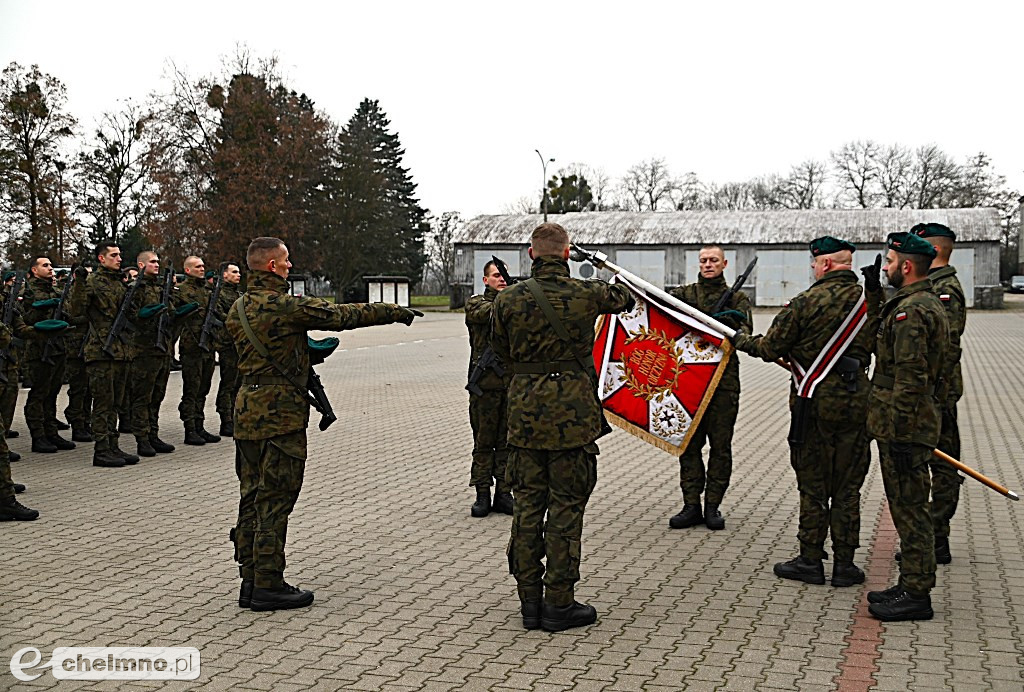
(807, 380)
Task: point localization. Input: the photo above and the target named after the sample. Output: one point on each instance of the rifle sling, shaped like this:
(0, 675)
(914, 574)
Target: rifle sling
(262, 350)
(556, 323)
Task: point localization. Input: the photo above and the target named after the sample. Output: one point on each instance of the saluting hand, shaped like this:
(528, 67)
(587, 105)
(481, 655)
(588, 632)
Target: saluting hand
(872, 275)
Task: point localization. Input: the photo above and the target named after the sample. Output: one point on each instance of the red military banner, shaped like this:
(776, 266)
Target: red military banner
(657, 369)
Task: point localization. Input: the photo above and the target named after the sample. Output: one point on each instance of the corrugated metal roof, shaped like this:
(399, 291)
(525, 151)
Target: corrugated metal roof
(730, 227)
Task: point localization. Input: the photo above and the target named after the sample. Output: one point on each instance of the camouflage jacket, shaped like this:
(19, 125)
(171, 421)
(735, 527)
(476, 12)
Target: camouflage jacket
(18, 330)
(806, 323)
(951, 294)
(478, 321)
(193, 290)
(73, 337)
(95, 302)
(909, 350)
(228, 295)
(280, 322)
(559, 410)
(36, 291)
(149, 292)
(703, 295)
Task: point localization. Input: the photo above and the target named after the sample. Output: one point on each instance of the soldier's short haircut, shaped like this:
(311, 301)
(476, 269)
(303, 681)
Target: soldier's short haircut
(191, 259)
(145, 256)
(943, 246)
(262, 250)
(714, 246)
(549, 239)
(35, 261)
(922, 263)
(104, 246)
(487, 267)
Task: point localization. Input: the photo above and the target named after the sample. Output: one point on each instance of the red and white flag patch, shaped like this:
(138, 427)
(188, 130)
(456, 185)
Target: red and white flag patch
(900, 316)
(944, 297)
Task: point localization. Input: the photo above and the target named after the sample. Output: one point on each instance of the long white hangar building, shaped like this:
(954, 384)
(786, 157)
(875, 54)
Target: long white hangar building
(662, 247)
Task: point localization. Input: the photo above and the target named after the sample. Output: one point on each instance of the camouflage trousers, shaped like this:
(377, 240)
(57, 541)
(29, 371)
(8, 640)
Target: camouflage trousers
(124, 404)
(196, 379)
(487, 416)
(41, 403)
(9, 397)
(907, 488)
(551, 489)
(946, 480)
(148, 386)
(830, 469)
(716, 426)
(107, 382)
(270, 477)
(79, 408)
(230, 381)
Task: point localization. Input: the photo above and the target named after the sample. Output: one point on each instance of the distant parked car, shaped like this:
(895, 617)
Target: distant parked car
(1017, 284)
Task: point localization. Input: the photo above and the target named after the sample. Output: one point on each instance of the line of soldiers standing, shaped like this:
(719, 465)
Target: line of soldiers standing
(116, 384)
(828, 334)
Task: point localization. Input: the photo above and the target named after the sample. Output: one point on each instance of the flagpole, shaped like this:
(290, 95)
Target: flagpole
(600, 260)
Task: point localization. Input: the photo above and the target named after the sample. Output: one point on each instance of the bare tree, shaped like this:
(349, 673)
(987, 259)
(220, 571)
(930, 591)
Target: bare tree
(802, 188)
(856, 167)
(523, 205)
(895, 167)
(933, 179)
(441, 250)
(600, 184)
(648, 184)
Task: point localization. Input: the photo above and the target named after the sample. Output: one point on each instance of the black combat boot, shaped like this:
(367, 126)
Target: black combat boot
(60, 443)
(11, 434)
(689, 515)
(903, 606)
(846, 574)
(145, 449)
(43, 446)
(13, 456)
(107, 459)
(227, 426)
(713, 519)
(245, 593)
(283, 598)
(81, 435)
(558, 618)
(160, 446)
(801, 569)
(19, 488)
(129, 459)
(61, 425)
(12, 510)
(531, 614)
(482, 506)
(885, 595)
(942, 554)
(206, 435)
(503, 503)
(124, 427)
(192, 437)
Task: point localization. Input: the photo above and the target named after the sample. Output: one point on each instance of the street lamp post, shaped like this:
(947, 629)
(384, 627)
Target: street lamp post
(544, 183)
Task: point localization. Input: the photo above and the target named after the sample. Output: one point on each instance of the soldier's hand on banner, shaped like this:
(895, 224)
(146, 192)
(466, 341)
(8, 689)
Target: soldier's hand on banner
(872, 275)
(408, 315)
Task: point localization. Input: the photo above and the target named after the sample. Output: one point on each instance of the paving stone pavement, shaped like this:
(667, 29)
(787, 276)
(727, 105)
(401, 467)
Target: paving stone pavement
(413, 594)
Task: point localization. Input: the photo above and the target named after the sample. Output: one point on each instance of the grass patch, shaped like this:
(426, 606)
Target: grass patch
(428, 301)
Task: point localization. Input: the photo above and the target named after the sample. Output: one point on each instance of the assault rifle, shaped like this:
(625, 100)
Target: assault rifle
(317, 398)
(488, 361)
(211, 321)
(58, 314)
(122, 323)
(723, 302)
(8, 318)
(503, 270)
(163, 325)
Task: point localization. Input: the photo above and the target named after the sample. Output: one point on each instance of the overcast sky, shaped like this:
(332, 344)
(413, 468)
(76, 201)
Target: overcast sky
(727, 90)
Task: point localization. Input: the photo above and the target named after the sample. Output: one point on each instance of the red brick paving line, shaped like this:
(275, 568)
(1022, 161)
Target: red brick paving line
(857, 668)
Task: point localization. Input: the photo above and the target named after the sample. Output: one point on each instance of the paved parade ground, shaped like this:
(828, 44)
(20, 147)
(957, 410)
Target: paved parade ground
(413, 594)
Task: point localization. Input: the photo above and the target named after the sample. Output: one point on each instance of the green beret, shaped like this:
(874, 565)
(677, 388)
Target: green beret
(909, 244)
(151, 310)
(210, 274)
(49, 303)
(8, 276)
(51, 325)
(186, 309)
(319, 349)
(933, 230)
(826, 245)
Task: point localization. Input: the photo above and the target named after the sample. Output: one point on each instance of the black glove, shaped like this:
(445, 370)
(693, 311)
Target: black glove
(872, 275)
(901, 453)
(408, 315)
(81, 272)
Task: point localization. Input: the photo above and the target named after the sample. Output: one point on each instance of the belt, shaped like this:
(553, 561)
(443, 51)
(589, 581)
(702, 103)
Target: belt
(546, 368)
(264, 379)
(887, 382)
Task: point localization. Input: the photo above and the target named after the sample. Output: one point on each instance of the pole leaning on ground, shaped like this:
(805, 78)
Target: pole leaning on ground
(600, 260)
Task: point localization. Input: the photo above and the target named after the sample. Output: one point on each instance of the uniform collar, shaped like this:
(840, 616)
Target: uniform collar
(110, 273)
(490, 293)
(267, 281)
(922, 285)
(40, 281)
(942, 272)
(549, 265)
(717, 281)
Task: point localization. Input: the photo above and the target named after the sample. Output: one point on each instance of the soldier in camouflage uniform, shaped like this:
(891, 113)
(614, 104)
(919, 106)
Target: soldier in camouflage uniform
(197, 365)
(271, 414)
(719, 419)
(11, 369)
(40, 299)
(905, 418)
(487, 402)
(95, 301)
(151, 367)
(230, 380)
(78, 412)
(945, 479)
(829, 443)
(554, 418)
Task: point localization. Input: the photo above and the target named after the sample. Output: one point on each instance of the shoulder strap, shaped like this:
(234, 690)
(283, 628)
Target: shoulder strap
(556, 323)
(807, 380)
(262, 350)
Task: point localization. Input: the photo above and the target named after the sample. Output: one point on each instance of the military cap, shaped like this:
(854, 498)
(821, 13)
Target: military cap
(186, 309)
(933, 230)
(8, 276)
(50, 325)
(210, 274)
(826, 245)
(909, 244)
(319, 349)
